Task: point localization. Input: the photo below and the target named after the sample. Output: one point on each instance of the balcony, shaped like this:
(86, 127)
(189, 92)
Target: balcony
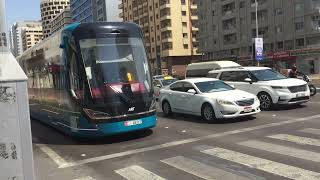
(194, 6)
(165, 17)
(195, 28)
(121, 15)
(120, 6)
(165, 4)
(166, 28)
(194, 17)
(166, 39)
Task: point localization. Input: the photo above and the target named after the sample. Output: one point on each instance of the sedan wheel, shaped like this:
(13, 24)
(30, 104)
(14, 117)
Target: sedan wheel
(208, 113)
(166, 108)
(265, 101)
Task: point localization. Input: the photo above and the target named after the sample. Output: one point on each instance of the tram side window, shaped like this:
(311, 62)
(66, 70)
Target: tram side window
(76, 85)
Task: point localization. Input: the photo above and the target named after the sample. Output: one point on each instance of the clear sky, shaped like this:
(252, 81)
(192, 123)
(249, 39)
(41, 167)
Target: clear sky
(19, 10)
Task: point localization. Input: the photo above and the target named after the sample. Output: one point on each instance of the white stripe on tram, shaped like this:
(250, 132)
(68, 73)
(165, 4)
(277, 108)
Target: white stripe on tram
(199, 169)
(283, 150)
(296, 139)
(272, 167)
(138, 173)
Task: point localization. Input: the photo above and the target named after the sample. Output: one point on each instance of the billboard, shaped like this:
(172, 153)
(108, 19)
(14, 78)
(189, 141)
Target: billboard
(259, 49)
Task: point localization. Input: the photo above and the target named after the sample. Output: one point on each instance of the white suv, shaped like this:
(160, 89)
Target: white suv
(270, 86)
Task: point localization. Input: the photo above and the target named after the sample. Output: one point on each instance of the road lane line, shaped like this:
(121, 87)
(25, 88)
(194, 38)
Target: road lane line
(185, 141)
(283, 150)
(138, 173)
(296, 139)
(276, 168)
(200, 170)
(52, 155)
(85, 178)
(311, 131)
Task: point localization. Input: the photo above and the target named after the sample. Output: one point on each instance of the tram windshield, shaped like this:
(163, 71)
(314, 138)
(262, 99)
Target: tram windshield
(118, 64)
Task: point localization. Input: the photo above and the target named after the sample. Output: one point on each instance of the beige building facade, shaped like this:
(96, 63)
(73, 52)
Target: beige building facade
(49, 9)
(170, 30)
(61, 20)
(31, 35)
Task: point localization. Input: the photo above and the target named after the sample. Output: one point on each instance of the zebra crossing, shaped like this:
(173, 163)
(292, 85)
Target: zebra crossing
(206, 171)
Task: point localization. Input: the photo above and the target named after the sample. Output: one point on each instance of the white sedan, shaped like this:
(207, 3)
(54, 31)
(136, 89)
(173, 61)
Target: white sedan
(210, 98)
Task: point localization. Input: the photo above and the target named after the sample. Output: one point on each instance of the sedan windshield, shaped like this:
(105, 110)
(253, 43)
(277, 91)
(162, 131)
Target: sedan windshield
(267, 75)
(213, 86)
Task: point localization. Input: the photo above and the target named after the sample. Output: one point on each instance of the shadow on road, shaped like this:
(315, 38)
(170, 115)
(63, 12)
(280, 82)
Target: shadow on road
(198, 119)
(287, 107)
(44, 134)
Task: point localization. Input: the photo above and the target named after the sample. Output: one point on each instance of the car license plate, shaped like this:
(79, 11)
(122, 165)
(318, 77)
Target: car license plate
(247, 109)
(133, 123)
(300, 95)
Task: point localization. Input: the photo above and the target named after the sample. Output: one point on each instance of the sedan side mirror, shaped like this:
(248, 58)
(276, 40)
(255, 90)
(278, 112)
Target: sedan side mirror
(192, 91)
(249, 80)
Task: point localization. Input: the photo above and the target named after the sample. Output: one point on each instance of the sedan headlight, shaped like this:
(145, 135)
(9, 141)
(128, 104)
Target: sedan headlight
(224, 102)
(279, 87)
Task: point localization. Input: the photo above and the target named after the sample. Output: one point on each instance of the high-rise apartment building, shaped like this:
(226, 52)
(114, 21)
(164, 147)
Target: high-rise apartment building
(94, 10)
(289, 29)
(61, 20)
(170, 30)
(49, 9)
(31, 35)
(3, 35)
(16, 35)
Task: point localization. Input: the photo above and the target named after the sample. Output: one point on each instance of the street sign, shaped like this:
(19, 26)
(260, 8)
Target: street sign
(259, 49)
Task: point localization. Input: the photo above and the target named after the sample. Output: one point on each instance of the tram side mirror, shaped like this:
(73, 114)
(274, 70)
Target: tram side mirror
(73, 94)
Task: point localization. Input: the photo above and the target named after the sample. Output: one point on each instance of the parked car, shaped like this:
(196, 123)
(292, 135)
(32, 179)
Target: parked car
(161, 83)
(196, 70)
(207, 97)
(270, 86)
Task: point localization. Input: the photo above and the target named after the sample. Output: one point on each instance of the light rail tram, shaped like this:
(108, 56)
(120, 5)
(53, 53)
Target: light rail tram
(91, 80)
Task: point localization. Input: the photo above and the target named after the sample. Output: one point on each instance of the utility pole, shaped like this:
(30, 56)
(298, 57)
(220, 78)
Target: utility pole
(257, 27)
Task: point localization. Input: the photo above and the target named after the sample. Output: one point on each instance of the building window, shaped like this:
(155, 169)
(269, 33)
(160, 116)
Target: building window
(183, 2)
(299, 7)
(184, 13)
(280, 45)
(185, 46)
(299, 26)
(279, 29)
(278, 11)
(242, 4)
(185, 35)
(300, 42)
(184, 24)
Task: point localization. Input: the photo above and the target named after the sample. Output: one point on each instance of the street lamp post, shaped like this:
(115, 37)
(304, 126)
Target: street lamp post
(257, 27)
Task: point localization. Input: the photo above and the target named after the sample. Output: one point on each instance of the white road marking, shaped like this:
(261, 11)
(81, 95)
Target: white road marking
(138, 173)
(53, 155)
(85, 178)
(283, 150)
(185, 141)
(199, 169)
(296, 139)
(311, 131)
(276, 168)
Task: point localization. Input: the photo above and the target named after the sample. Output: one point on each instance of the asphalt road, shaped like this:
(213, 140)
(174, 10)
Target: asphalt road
(280, 144)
